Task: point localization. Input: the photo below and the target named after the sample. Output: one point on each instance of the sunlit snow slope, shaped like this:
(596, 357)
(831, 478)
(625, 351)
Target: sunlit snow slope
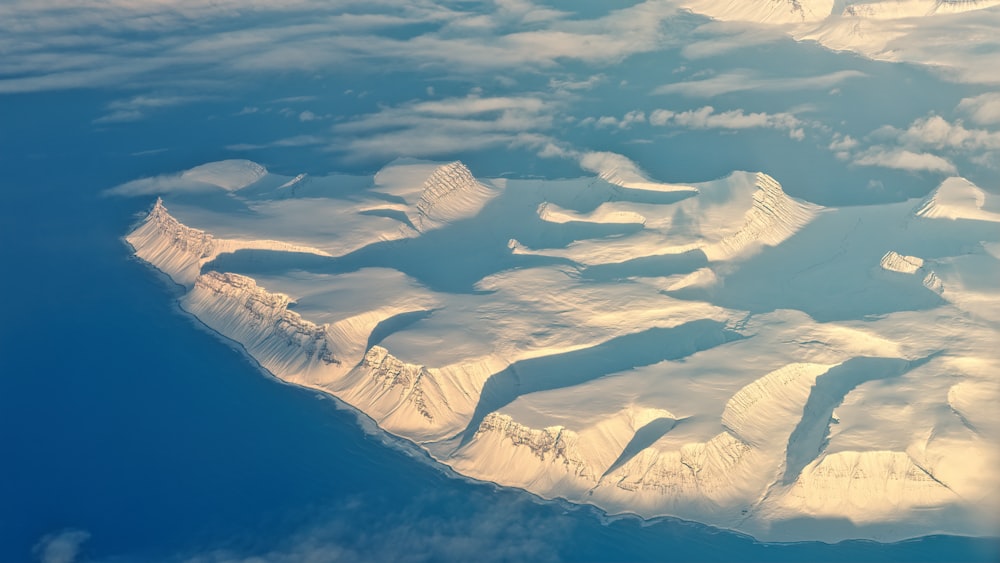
(720, 352)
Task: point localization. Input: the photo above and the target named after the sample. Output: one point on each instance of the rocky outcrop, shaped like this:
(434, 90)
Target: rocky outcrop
(893, 261)
(172, 247)
(450, 193)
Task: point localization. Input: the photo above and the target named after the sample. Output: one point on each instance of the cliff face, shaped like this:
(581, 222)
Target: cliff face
(181, 251)
(281, 340)
(896, 262)
(172, 247)
(772, 218)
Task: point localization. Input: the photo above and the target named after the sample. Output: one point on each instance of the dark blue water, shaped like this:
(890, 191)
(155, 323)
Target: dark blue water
(121, 418)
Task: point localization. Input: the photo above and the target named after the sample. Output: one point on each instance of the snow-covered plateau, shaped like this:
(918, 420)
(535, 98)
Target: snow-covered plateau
(721, 352)
(956, 36)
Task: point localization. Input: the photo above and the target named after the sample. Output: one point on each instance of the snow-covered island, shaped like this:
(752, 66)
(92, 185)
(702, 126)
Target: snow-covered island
(719, 352)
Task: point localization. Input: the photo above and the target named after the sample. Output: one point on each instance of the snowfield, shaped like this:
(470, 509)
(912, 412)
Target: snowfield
(719, 352)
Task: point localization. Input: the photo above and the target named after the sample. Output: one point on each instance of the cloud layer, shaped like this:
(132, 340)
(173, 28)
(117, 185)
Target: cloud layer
(61, 44)
(427, 128)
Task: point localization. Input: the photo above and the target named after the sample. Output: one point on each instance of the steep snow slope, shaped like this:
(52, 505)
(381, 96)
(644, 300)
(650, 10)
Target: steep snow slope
(660, 352)
(603, 214)
(958, 198)
(620, 171)
(724, 219)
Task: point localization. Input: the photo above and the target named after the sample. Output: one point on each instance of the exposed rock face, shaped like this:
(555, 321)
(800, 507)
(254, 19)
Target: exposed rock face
(895, 262)
(933, 283)
(171, 246)
(545, 443)
(281, 339)
(690, 474)
(390, 372)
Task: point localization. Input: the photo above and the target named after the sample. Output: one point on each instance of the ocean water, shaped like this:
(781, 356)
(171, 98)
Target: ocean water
(124, 420)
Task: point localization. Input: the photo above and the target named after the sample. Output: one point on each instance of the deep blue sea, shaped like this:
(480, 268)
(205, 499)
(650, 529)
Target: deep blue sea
(121, 418)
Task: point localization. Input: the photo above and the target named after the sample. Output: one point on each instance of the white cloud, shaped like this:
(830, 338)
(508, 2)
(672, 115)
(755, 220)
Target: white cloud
(475, 105)
(296, 141)
(622, 171)
(632, 117)
(61, 547)
(606, 121)
(573, 85)
(842, 143)
(136, 108)
(902, 159)
(167, 183)
(626, 121)
(707, 118)
(228, 175)
(743, 81)
(62, 44)
(936, 132)
(930, 143)
(294, 99)
(440, 127)
(600, 162)
(983, 109)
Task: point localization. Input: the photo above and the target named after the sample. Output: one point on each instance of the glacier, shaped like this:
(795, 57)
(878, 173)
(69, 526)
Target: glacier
(719, 351)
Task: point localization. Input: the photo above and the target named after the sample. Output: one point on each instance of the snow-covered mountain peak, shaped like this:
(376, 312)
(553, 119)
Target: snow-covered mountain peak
(450, 193)
(957, 198)
(770, 217)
